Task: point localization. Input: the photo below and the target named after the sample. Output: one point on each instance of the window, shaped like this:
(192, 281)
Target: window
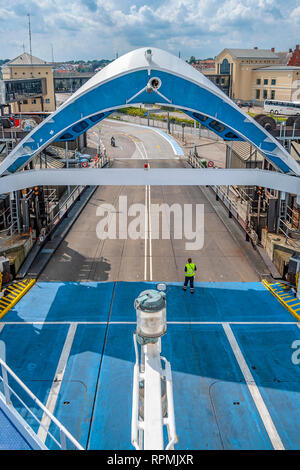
(272, 94)
(265, 81)
(199, 117)
(25, 101)
(80, 126)
(225, 67)
(47, 100)
(231, 135)
(217, 126)
(273, 81)
(97, 117)
(66, 136)
(257, 94)
(265, 95)
(258, 81)
(33, 101)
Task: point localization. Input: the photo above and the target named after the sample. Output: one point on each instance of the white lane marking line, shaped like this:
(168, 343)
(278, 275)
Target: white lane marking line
(253, 389)
(150, 234)
(56, 384)
(146, 234)
(158, 131)
(69, 322)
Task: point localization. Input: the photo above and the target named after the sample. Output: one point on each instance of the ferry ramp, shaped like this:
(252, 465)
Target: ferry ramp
(230, 346)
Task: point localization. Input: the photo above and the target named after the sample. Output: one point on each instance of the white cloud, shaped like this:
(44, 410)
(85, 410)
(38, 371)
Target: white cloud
(97, 28)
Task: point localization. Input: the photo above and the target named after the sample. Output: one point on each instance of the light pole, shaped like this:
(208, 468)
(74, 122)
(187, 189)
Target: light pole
(183, 126)
(152, 403)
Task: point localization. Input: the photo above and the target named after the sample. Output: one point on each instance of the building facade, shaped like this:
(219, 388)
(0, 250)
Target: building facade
(19, 71)
(260, 74)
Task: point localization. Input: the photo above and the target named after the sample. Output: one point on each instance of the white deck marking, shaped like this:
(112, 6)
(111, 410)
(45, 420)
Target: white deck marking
(253, 389)
(69, 322)
(56, 384)
(146, 235)
(150, 233)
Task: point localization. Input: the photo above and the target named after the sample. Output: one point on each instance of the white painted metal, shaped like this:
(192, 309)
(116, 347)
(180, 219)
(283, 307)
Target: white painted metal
(147, 433)
(170, 420)
(152, 177)
(61, 428)
(153, 420)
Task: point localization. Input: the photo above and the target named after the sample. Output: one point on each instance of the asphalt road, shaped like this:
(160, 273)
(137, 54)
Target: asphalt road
(86, 255)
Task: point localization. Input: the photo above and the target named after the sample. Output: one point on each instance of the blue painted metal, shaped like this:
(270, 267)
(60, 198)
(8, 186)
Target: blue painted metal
(269, 356)
(124, 82)
(10, 436)
(213, 406)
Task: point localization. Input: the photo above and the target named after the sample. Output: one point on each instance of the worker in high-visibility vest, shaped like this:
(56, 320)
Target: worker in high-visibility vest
(190, 271)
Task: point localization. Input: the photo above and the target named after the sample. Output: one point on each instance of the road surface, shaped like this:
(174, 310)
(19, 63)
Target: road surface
(84, 255)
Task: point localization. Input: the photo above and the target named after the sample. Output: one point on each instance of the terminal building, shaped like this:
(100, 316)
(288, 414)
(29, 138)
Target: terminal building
(257, 74)
(28, 85)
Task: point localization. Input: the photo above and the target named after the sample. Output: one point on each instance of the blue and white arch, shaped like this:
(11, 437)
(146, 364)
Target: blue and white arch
(149, 76)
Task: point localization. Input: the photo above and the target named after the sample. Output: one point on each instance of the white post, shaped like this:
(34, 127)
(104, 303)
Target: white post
(153, 420)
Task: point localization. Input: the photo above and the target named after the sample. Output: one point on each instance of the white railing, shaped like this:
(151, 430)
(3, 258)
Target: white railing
(64, 436)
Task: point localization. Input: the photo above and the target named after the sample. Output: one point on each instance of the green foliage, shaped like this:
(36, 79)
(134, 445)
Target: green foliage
(132, 111)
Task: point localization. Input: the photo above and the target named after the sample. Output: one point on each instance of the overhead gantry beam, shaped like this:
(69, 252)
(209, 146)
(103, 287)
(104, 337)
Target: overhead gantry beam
(152, 177)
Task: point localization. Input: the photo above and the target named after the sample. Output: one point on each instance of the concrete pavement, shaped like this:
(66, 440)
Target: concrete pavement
(83, 256)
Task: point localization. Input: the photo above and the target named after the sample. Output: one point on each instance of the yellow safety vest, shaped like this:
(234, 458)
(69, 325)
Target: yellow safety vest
(190, 270)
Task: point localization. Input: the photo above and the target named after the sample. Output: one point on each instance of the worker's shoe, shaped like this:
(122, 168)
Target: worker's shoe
(192, 291)
(184, 288)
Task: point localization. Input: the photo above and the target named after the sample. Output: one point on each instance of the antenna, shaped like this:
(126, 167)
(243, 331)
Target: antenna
(29, 30)
(179, 54)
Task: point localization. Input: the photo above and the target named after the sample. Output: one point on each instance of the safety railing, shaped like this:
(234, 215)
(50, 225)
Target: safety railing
(73, 196)
(64, 441)
(291, 235)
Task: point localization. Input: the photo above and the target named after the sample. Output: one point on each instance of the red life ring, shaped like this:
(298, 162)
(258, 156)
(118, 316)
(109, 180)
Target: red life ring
(84, 164)
(210, 164)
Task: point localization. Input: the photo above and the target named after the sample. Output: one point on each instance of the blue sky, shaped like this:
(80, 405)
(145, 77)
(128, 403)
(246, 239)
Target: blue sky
(95, 29)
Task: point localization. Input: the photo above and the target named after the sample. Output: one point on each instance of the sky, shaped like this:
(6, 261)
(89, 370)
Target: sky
(100, 29)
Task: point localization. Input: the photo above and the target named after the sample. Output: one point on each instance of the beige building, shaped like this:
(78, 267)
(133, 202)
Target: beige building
(29, 67)
(258, 74)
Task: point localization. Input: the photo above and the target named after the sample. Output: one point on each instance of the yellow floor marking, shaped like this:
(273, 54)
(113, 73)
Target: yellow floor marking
(281, 300)
(12, 300)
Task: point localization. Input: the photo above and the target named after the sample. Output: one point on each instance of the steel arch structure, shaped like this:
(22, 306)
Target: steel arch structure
(149, 76)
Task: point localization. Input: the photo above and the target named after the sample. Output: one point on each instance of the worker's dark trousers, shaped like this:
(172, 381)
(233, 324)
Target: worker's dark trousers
(189, 279)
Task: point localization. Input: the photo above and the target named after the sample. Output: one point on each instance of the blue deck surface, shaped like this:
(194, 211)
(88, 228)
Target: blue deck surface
(213, 406)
